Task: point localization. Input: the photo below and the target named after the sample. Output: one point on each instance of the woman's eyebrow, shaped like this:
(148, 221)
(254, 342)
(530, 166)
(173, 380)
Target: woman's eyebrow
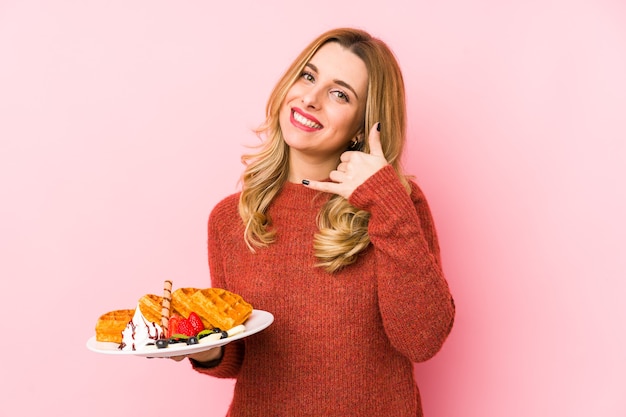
(338, 82)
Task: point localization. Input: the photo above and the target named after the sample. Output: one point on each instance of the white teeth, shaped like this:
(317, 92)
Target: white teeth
(303, 120)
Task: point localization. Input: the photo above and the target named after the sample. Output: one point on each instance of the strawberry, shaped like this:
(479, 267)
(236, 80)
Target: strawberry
(196, 323)
(173, 325)
(185, 327)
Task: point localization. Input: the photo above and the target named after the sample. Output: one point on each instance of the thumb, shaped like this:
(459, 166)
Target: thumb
(374, 141)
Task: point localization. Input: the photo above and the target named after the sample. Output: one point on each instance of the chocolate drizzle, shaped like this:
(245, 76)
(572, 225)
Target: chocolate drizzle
(153, 330)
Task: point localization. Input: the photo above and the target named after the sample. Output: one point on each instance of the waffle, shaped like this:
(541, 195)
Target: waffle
(110, 325)
(181, 301)
(220, 308)
(150, 306)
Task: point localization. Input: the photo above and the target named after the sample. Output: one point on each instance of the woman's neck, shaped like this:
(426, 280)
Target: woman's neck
(303, 166)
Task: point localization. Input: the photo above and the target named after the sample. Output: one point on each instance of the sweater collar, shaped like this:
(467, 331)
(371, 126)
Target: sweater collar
(296, 195)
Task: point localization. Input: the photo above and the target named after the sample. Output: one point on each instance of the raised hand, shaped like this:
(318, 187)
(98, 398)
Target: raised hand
(354, 169)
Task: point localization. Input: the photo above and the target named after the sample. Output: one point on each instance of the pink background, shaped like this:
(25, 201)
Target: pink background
(122, 123)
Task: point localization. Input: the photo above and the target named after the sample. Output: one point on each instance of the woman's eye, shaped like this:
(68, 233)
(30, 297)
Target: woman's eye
(342, 96)
(308, 76)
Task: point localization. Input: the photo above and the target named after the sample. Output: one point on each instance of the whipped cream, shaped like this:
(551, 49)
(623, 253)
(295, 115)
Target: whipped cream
(140, 332)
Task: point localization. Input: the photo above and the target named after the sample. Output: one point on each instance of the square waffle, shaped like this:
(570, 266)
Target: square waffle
(220, 308)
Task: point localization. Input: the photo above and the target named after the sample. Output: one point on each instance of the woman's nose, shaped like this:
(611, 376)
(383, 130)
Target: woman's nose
(311, 98)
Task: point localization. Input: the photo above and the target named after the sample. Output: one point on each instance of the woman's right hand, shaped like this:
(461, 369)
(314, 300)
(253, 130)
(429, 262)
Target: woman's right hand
(202, 357)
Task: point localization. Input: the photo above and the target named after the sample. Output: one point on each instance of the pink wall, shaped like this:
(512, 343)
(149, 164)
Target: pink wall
(122, 122)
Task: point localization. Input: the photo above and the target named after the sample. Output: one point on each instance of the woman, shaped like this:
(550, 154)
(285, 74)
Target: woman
(331, 237)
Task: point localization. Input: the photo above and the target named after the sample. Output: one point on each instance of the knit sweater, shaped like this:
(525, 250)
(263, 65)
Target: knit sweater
(341, 344)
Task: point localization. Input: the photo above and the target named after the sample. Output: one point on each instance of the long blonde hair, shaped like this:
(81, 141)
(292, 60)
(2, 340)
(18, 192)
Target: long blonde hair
(342, 231)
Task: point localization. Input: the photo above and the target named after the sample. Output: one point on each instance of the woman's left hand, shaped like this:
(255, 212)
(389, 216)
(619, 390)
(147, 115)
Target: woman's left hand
(354, 169)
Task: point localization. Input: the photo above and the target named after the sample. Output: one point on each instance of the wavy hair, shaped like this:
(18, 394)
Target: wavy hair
(342, 227)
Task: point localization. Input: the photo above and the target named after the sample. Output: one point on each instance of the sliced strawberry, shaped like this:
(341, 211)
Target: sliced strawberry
(173, 325)
(196, 323)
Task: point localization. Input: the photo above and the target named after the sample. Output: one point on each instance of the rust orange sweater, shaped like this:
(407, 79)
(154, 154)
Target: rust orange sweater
(341, 344)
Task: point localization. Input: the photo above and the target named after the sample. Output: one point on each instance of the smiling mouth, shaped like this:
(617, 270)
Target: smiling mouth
(304, 121)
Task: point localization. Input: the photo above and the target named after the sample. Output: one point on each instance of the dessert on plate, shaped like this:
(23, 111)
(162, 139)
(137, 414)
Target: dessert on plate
(187, 315)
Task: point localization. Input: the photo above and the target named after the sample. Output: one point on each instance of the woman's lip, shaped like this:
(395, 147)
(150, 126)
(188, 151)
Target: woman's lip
(302, 126)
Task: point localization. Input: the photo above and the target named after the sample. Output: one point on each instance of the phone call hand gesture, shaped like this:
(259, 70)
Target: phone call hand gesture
(354, 169)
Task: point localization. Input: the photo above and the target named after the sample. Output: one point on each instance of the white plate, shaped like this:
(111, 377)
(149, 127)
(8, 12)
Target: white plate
(258, 321)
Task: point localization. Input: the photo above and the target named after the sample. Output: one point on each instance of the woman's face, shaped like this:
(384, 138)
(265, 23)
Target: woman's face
(325, 108)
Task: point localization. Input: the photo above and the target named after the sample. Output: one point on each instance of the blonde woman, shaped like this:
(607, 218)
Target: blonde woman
(330, 236)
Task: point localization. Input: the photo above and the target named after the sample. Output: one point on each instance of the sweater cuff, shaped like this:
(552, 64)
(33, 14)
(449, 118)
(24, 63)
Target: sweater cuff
(383, 185)
(227, 366)
(206, 365)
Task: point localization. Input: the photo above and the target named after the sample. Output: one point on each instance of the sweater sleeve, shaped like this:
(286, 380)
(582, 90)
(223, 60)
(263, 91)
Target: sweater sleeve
(232, 355)
(415, 302)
